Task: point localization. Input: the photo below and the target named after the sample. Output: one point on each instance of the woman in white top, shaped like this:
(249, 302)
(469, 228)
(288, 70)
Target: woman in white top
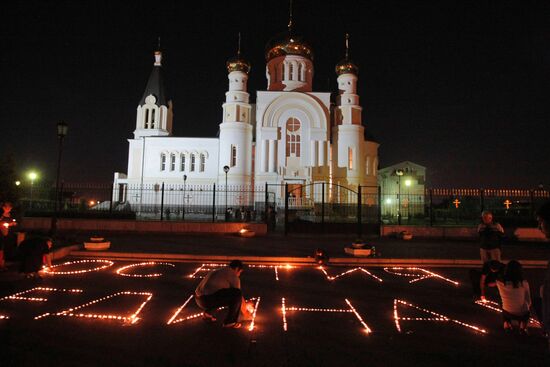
(515, 295)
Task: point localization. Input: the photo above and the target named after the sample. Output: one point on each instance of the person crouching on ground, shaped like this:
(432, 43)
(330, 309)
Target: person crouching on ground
(490, 235)
(543, 217)
(222, 287)
(516, 297)
(31, 252)
(487, 277)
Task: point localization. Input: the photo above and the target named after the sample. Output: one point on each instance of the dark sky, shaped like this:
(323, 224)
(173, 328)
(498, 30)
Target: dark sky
(460, 87)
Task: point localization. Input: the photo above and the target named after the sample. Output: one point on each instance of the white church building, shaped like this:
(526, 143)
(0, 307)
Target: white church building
(292, 134)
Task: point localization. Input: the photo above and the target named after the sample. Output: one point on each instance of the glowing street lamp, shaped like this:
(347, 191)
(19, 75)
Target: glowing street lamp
(17, 183)
(32, 175)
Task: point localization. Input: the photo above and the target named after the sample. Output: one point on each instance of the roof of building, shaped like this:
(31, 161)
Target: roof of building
(156, 87)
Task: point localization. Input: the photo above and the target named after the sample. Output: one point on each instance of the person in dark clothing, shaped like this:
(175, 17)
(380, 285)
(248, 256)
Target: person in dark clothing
(6, 222)
(31, 252)
(222, 287)
(490, 272)
(543, 217)
(490, 235)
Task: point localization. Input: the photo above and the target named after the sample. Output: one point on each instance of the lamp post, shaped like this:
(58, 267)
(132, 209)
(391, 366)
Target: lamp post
(399, 173)
(32, 176)
(226, 169)
(408, 183)
(62, 128)
(183, 210)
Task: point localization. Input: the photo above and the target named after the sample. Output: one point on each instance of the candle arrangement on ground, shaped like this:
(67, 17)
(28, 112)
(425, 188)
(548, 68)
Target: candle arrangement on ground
(122, 271)
(51, 269)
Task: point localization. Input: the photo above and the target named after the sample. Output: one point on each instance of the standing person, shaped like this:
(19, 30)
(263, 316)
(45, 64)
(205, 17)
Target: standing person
(543, 217)
(490, 235)
(6, 221)
(31, 252)
(516, 297)
(487, 277)
(222, 287)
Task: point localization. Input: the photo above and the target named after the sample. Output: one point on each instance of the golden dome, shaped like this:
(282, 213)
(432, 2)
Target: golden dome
(287, 44)
(238, 64)
(346, 67)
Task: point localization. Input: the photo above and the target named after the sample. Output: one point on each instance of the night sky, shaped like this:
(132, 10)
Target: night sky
(460, 87)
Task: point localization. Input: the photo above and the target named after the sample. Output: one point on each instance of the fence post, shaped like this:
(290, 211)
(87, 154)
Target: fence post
(111, 201)
(286, 208)
(213, 203)
(431, 210)
(379, 205)
(323, 204)
(266, 203)
(162, 202)
(60, 197)
(359, 224)
(482, 199)
(532, 198)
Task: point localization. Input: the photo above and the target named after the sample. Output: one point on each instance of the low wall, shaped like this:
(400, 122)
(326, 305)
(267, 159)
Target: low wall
(431, 232)
(118, 225)
(467, 233)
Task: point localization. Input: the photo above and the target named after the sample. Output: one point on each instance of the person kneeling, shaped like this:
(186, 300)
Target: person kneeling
(219, 288)
(516, 297)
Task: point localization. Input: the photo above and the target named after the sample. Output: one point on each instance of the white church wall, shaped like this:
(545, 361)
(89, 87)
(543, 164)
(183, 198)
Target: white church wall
(154, 170)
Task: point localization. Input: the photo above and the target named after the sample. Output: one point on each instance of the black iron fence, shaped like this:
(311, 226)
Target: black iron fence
(285, 206)
(459, 207)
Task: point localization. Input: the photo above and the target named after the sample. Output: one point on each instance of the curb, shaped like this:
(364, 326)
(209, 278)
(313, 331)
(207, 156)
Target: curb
(341, 261)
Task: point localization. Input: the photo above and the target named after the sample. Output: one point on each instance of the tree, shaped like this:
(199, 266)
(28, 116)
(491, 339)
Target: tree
(8, 190)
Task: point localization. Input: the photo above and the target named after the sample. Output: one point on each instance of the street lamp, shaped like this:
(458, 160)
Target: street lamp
(226, 169)
(399, 173)
(183, 210)
(62, 128)
(32, 176)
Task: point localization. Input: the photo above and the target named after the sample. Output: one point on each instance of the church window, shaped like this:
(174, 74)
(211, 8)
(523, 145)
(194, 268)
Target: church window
(300, 70)
(163, 162)
(192, 163)
(182, 164)
(202, 162)
(350, 158)
(152, 119)
(293, 133)
(146, 118)
(233, 161)
(172, 162)
(290, 71)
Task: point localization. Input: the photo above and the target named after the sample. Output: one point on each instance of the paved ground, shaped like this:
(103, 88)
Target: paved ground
(302, 245)
(311, 339)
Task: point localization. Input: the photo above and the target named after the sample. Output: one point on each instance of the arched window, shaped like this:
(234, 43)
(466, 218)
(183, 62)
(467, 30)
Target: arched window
(182, 162)
(153, 118)
(163, 162)
(350, 158)
(146, 118)
(293, 133)
(192, 163)
(172, 162)
(202, 162)
(290, 71)
(233, 161)
(300, 70)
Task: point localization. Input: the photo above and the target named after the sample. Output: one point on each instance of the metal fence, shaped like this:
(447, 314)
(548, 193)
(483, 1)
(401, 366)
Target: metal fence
(459, 207)
(285, 206)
